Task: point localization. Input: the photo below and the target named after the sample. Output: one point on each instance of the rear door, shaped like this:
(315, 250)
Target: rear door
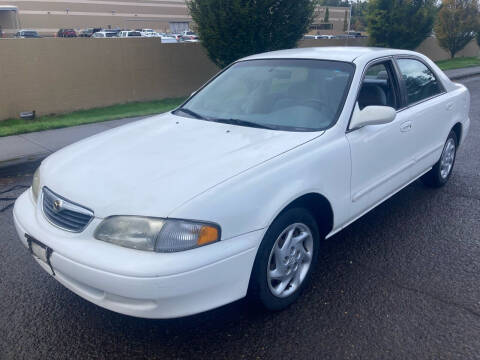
(426, 107)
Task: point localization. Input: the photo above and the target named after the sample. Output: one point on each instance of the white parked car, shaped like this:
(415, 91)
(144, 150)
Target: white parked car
(168, 39)
(104, 34)
(230, 194)
(189, 33)
(27, 34)
(127, 33)
(149, 33)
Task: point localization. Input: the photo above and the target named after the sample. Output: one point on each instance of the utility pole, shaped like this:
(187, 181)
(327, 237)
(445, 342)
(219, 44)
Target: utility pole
(349, 21)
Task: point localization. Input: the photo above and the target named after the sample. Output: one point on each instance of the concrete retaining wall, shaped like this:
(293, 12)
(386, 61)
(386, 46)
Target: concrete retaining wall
(431, 48)
(63, 75)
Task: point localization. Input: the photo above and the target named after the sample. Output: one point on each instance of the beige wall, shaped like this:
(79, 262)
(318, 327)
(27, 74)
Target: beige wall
(62, 75)
(333, 42)
(431, 48)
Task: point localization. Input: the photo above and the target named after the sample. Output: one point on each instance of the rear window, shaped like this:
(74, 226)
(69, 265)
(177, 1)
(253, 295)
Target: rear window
(419, 80)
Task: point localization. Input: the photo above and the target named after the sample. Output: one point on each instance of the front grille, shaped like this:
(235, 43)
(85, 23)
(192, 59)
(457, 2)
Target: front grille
(64, 213)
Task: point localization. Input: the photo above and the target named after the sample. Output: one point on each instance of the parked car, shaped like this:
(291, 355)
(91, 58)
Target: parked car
(89, 32)
(124, 34)
(168, 39)
(115, 31)
(355, 34)
(183, 38)
(104, 34)
(189, 35)
(66, 33)
(190, 40)
(317, 37)
(27, 34)
(231, 193)
(148, 33)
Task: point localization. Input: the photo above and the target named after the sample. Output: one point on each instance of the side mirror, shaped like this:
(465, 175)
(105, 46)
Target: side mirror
(372, 115)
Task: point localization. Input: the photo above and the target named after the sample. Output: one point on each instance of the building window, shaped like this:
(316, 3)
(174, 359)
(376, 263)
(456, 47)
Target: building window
(326, 26)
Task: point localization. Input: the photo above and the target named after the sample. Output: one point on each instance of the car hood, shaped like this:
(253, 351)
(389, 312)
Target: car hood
(152, 166)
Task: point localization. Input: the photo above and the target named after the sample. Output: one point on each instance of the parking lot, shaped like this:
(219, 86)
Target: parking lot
(400, 283)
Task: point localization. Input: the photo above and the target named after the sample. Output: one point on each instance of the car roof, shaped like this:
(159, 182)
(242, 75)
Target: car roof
(339, 53)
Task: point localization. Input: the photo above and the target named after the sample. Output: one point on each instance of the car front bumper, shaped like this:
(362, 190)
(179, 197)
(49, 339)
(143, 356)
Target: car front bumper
(140, 283)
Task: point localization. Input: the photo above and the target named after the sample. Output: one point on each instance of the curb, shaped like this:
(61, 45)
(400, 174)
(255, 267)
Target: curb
(15, 168)
(15, 162)
(466, 76)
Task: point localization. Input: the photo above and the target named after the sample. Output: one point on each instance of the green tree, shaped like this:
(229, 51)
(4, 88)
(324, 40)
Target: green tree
(359, 15)
(456, 25)
(232, 29)
(326, 18)
(345, 21)
(400, 24)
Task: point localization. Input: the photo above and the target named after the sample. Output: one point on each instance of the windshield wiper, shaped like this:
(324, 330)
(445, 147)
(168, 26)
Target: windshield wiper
(192, 113)
(244, 123)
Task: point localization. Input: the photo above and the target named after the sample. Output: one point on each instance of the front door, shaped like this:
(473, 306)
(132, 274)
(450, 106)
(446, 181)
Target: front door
(382, 155)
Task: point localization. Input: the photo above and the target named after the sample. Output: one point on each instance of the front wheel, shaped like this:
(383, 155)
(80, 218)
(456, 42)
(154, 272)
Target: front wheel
(285, 259)
(441, 171)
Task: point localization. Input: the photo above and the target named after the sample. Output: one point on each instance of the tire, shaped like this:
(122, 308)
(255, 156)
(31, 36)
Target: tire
(264, 287)
(440, 173)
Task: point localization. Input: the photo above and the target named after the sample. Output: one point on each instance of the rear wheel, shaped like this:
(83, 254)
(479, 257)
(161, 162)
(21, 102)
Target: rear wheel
(441, 171)
(285, 260)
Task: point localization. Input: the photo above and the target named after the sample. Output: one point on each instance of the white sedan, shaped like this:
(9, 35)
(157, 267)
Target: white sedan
(230, 194)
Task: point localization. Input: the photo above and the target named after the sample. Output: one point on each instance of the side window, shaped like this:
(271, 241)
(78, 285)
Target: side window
(378, 87)
(420, 82)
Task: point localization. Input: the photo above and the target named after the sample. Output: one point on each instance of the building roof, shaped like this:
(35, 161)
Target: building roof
(340, 53)
(8, 8)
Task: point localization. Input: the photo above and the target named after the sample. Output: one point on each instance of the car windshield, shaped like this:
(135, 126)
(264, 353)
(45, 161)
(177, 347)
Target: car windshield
(286, 94)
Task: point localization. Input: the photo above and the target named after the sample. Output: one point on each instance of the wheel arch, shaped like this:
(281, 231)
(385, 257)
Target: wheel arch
(319, 206)
(457, 129)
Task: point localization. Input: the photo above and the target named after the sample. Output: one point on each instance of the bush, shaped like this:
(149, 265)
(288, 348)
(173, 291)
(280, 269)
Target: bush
(232, 29)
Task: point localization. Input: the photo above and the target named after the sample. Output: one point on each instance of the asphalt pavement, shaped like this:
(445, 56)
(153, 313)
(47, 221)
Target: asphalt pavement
(400, 283)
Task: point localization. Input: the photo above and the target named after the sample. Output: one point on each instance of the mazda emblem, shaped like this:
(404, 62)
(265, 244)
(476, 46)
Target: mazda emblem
(57, 205)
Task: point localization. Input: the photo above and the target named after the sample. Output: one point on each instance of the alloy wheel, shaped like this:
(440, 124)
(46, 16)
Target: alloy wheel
(290, 260)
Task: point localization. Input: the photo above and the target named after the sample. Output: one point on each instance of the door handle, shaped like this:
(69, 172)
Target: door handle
(449, 106)
(406, 126)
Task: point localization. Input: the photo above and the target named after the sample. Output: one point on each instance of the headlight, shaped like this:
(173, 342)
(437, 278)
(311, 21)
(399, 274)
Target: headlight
(36, 184)
(154, 234)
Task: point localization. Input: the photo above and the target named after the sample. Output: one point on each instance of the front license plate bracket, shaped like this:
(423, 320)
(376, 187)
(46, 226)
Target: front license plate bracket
(40, 251)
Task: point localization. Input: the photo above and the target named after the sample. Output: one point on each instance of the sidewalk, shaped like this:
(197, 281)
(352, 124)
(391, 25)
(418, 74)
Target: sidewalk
(38, 145)
(463, 73)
